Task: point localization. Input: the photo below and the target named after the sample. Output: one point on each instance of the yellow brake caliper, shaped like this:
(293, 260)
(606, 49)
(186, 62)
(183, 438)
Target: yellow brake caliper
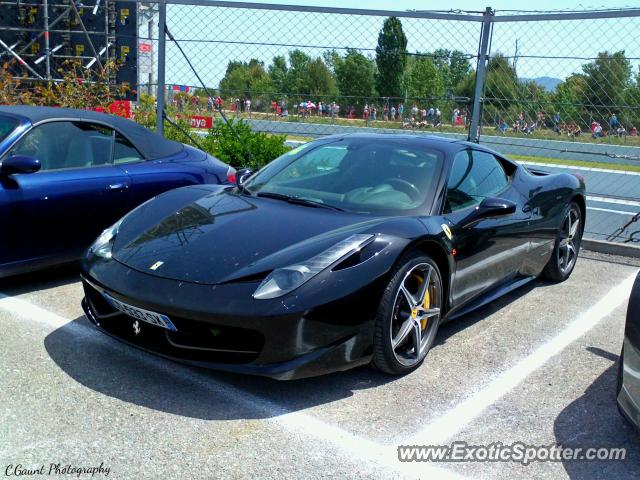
(425, 304)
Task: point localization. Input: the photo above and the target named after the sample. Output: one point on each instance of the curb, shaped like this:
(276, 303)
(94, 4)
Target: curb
(623, 249)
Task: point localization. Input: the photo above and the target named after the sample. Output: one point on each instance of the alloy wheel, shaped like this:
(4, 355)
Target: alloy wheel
(415, 314)
(569, 241)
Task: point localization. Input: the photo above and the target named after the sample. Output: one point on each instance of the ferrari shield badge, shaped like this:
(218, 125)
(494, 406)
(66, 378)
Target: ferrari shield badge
(447, 231)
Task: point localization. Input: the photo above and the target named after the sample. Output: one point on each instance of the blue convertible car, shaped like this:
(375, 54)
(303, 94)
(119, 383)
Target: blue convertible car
(65, 175)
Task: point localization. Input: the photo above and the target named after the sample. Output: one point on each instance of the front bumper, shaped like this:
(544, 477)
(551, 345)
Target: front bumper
(278, 341)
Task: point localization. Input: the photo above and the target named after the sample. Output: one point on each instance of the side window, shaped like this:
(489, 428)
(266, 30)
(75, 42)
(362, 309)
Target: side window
(61, 145)
(124, 152)
(474, 176)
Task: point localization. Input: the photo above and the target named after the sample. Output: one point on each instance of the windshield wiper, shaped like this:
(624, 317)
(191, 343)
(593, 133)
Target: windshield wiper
(298, 200)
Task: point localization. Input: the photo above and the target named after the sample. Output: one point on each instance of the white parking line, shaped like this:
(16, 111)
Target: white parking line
(445, 426)
(355, 447)
(31, 312)
(619, 201)
(608, 210)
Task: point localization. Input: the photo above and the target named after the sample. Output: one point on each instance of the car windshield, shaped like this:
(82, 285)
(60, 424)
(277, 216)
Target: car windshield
(383, 176)
(7, 125)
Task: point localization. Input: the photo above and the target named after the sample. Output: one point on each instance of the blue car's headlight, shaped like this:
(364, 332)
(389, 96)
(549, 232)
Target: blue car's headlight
(104, 243)
(284, 280)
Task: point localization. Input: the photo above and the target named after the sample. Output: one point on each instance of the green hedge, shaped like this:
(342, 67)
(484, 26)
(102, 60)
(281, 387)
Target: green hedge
(245, 148)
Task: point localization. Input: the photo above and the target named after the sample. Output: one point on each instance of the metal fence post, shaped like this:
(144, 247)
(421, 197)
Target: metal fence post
(162, 19)
(47, 46)
(481, 73)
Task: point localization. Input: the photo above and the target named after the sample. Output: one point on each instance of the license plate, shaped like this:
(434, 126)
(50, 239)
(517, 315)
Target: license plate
(148, 316)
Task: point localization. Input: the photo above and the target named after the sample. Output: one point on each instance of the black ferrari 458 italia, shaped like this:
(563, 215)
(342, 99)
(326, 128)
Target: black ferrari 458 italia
(345, 251)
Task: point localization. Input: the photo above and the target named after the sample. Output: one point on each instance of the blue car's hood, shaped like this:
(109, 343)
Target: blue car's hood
(224, 236)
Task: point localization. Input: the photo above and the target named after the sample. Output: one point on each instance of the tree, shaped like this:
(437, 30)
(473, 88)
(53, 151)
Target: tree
(296, 80)
(278, 71)
(423, 80)
(355, 75)
(631, 102)
(568, 97)
(606, 77)
(317, 79)
(391, 58)
(501, 85)
(244, 79)
(459, 68)
(453, 67)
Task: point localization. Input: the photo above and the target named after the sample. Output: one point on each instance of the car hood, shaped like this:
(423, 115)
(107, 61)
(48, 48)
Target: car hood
(224, 236)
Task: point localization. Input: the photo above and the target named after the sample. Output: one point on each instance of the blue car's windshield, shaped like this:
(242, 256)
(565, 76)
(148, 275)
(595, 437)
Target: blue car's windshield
(383, 176)
(7, 125)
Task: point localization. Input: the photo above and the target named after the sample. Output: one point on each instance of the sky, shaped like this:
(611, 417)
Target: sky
(214, 36)
(462, 4)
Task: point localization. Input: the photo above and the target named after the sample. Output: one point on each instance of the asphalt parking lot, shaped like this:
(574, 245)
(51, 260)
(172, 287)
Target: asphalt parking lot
(537, 366)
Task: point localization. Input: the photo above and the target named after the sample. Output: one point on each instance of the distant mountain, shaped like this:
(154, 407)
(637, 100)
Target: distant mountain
(548, 83)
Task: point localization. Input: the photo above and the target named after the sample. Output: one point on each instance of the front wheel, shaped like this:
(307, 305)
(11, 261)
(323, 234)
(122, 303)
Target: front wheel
(408, 315)
(567, 246)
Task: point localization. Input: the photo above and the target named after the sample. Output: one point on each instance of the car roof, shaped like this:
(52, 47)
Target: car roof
(150, 144)
(448, 144)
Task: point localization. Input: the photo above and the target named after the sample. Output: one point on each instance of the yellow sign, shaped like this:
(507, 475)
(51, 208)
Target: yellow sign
(156, 265)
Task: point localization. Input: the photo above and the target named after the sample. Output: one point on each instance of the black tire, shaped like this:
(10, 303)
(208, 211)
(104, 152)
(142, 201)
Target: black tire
(555, 270)
(619, 383)
(619, 374)
(385, 357)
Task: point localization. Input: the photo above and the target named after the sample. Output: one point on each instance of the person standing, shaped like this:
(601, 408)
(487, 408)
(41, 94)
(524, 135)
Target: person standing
(393, 113)
(414, 111)
(613, 123)
(556, 122)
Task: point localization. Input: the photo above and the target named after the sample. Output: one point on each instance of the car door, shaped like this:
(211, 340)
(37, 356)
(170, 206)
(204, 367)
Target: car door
(58, 211)
(155, 176)
(490, 251)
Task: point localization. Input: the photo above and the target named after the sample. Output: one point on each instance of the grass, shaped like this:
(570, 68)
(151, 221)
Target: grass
(577, 163)
(299, 138)
(541, 134)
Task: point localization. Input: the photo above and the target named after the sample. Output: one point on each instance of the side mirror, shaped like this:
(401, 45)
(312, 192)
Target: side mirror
(490, 207)
(242, 175)
(19, 164)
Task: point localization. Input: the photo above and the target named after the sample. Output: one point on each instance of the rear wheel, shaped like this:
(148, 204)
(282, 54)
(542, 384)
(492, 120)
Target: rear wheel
(408, 315)
(565, 251)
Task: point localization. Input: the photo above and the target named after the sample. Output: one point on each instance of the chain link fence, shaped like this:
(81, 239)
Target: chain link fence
(556, 90)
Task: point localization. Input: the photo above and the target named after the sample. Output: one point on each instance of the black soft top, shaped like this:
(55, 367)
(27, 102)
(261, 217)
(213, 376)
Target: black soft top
(149, 144)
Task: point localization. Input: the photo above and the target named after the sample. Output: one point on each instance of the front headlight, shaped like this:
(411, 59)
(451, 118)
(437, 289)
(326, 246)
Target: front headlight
(284, 280)
(104, 243)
